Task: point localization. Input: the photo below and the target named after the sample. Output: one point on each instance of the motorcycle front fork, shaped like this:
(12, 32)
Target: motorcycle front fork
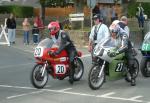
(43, 69)
(102, 68)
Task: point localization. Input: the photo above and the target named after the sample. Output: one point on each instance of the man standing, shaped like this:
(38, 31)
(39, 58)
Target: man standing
(124, 24)
(99, 33)
(140, 16)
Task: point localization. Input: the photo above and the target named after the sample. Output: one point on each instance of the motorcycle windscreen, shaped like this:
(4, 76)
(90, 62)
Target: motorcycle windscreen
(46, 43)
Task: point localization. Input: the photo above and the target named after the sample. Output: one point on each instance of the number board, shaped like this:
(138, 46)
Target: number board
(60, 69)
(119, 67)
(38, 52)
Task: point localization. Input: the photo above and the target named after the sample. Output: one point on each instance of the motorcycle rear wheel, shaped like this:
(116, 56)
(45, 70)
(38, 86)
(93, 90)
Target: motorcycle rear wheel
(37, 80)
(79, 69)
(94, 81)
(145, 67)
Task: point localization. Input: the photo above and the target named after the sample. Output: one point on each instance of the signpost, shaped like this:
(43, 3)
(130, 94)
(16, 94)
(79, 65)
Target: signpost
(91, 4)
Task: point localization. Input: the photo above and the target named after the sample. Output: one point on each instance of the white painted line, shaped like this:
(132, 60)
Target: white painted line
(79, 94)
(17, 87)
(107, 94)
(10, 66)
(134, 98)
(123, 99)
(65, 89)
(25, 94)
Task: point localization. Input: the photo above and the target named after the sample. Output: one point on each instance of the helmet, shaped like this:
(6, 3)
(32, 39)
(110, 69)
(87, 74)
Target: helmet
(114, 26)
(98, 16)
(53, 27)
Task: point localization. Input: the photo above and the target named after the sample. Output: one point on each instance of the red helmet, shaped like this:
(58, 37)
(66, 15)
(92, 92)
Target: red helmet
(53, 27)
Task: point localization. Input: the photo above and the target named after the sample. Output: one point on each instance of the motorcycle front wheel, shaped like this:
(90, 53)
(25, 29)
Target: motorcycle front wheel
(37, 80)
(94, 80)
(79, 69)
(145, 67)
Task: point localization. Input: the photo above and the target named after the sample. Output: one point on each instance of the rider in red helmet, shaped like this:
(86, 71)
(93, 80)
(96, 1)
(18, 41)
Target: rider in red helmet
(63, 40)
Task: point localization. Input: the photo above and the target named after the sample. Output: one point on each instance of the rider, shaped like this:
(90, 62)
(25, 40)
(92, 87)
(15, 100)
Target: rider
(125, 46)
(63, 40)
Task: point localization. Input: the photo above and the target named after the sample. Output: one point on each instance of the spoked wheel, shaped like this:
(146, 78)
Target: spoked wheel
(94, 80)
(79, 69)
(145, 67)
(37, 79)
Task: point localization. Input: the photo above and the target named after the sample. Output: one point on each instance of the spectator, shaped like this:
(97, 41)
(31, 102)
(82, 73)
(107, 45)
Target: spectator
(40, 25)
(35, 32)
(99, 33)
(26, 28)
(104, 13)
(140, 16)
(11, 25)
(113, 14)
(124, 24)
(96, 10)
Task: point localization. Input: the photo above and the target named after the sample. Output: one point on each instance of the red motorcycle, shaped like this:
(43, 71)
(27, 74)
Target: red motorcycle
(56, 66)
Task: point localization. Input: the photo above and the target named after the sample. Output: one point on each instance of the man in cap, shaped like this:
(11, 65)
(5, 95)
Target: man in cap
(99, 33)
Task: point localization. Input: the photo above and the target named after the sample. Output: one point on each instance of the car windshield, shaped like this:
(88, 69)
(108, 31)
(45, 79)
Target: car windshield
(46, 43)
(147, 38)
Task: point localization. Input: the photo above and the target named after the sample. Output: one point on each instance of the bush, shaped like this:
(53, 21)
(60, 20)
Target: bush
(19, 11)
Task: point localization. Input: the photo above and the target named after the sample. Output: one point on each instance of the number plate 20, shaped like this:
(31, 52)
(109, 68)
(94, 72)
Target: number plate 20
(60, 69)
(38, 52)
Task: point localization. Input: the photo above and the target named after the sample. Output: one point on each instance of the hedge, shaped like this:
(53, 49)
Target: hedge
(18, 11)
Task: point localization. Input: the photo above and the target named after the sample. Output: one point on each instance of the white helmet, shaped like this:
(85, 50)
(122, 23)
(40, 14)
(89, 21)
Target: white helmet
(114, 26)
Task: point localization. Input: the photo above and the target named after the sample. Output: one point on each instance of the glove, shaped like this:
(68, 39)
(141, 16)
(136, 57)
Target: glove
(112, 54)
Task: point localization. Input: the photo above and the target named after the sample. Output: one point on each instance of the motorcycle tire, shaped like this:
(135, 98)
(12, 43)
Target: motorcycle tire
(145, 67)
(79, 69)
(94, 81)
(36, 79)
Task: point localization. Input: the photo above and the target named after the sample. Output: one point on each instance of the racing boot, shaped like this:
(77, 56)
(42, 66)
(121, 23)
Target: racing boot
(71, 75)
(133, 81)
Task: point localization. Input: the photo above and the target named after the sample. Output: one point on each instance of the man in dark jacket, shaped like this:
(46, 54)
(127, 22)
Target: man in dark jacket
(61, 38)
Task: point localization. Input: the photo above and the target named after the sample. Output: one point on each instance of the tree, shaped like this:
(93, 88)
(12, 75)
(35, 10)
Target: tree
(42, 3)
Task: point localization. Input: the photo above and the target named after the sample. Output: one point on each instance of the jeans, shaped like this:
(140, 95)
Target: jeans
(26, 37)
(141, 21)
(35, 38)
(11, 35)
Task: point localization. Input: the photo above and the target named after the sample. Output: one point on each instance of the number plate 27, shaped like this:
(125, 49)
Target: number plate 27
(60, 69)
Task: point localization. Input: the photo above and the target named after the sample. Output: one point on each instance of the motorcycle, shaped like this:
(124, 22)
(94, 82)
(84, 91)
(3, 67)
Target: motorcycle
(145, 50)
(56, 66)
(103, 64)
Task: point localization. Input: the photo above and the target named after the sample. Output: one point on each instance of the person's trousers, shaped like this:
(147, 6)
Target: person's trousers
(11, 35)
(141, 21)
(35, 38)
(26, 37)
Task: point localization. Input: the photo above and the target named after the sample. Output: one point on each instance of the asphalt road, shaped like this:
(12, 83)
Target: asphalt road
(15, 87)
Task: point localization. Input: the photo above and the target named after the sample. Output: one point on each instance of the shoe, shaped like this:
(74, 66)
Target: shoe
(71, 80)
